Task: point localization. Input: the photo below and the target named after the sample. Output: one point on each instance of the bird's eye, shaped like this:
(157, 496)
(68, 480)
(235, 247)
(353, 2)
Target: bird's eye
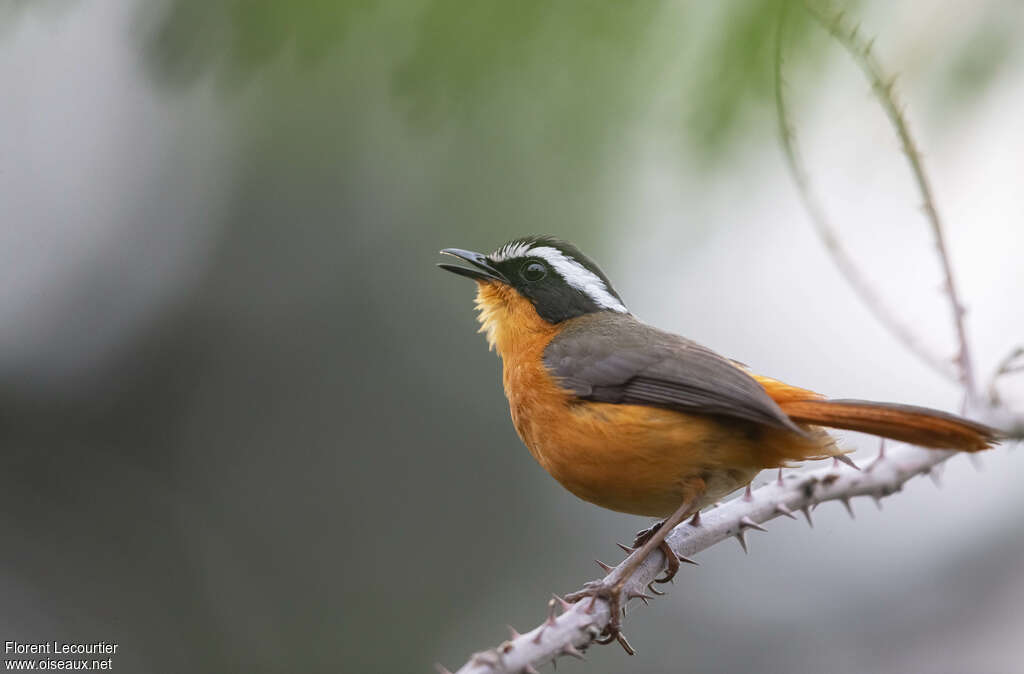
(534, 271)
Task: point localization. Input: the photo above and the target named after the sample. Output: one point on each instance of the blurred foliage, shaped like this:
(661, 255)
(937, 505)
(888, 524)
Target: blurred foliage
(242, 36)
(12, 11)
(976, 62)
(576, 74)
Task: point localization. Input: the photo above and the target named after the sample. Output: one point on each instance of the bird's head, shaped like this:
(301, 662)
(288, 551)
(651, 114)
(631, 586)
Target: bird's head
(532, 284)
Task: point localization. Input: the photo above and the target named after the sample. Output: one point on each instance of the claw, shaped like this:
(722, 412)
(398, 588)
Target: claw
(687, 560)
(639, 595)
(655, 591)
(621, 638)
(671, 563)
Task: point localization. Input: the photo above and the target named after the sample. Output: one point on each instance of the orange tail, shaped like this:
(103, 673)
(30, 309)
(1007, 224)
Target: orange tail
(906, 423)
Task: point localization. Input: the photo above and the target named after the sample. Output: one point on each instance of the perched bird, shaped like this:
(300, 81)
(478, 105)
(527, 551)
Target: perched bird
(642, 421)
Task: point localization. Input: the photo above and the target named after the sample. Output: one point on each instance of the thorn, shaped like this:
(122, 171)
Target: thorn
(779, 480)
(695, 520)
(878, 459)
(625, 548)
(603, 565)
(878, 500)
(483, 659)
(441, 669)
(742, 541)
(748, 523)
(748, 495)
(655, 591)
(976, 461)
(540, 633)
(639, 595)
(590, 606)
(552, 610)
(784, 511)
(843, 458)
(687, 560)
(561, 600)
(807, 513)
(935, 475)
(621, 638)
(849, 508)
(529, 669)
(572, 651)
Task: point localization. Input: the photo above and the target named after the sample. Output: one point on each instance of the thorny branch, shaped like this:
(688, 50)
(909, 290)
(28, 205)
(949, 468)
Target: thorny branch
(861, 52)
(874, 300)
(571, 628)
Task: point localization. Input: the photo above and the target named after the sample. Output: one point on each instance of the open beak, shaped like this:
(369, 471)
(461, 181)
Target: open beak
(484, 270)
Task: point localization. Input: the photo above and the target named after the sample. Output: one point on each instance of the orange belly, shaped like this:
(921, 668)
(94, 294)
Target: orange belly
(638, 459)
(635, 459)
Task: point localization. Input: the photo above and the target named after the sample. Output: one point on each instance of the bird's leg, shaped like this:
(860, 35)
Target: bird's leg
(671, 561)
(610, 588)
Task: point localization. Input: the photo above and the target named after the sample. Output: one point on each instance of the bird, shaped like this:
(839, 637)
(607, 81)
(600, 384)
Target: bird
(643, 421)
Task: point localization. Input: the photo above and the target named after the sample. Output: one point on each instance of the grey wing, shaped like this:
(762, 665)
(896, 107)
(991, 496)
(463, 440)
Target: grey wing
(615, 358)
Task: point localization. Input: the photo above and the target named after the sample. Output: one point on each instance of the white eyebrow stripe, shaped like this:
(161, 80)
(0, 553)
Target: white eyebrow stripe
(578, 277)
(509, 251)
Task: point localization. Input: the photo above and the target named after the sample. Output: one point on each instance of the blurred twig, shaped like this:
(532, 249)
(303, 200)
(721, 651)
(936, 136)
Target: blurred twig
(861, 51)
(1012, 363)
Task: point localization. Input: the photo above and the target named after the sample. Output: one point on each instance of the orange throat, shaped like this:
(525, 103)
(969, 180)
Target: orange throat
(510, 322)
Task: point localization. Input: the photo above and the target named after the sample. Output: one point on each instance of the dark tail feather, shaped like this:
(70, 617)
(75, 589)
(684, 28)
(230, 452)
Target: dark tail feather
(906, 423)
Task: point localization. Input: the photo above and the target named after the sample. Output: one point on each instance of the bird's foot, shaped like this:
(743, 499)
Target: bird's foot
(671, 561)
(611, 592)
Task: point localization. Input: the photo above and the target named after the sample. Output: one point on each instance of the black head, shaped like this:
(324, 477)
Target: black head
(554, 275)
